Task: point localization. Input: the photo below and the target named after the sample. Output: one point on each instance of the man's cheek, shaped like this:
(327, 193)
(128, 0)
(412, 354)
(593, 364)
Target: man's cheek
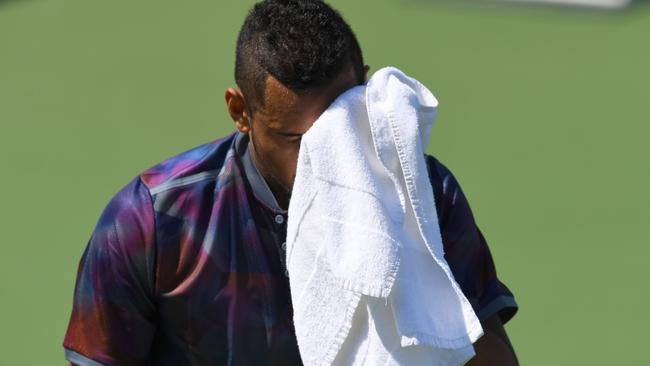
(290, 167)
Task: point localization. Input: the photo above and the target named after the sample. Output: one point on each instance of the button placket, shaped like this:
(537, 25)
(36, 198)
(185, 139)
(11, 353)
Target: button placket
(282, 248)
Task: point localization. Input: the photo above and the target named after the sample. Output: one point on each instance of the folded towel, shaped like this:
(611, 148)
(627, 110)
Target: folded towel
(369, 282)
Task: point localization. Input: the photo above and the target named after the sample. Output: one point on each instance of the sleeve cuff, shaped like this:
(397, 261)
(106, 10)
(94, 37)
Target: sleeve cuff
(505, 306)
(79, 359)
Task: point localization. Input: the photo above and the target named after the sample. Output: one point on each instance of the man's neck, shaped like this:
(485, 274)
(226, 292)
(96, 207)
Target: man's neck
(281, 194)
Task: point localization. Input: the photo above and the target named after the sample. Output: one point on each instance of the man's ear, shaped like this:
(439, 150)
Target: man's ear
(236, 105)
(366, 68)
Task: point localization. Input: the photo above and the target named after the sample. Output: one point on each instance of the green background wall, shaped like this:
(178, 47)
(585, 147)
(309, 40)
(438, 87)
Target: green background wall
(543, 118)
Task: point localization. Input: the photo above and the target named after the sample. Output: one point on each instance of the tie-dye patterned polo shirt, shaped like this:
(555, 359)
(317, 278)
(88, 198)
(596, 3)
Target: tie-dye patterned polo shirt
(186, 266)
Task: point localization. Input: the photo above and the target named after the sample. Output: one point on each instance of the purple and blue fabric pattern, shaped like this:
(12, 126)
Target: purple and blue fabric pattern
(186, 266)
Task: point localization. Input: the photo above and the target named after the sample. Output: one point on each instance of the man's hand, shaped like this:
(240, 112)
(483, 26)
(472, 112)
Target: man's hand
(494, 347)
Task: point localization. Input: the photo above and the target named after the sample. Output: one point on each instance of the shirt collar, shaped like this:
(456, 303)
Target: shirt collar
(261, 190)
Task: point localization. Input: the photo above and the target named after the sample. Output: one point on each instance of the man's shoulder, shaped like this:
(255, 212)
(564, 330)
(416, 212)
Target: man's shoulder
(447, 192)
(203, 161)
(442, 179)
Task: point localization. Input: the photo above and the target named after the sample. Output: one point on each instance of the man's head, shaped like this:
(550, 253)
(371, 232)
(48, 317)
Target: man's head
(294, 57)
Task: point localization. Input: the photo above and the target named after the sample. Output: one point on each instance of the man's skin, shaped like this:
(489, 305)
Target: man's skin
(275, 127)
(494, 347)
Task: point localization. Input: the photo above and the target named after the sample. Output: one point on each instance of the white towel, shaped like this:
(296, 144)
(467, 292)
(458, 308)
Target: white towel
(369, 282)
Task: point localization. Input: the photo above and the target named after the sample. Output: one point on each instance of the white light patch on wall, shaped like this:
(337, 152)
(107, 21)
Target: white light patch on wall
(611, 4)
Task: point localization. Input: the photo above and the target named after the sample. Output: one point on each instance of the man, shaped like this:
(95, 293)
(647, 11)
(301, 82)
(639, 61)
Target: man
(186, 264)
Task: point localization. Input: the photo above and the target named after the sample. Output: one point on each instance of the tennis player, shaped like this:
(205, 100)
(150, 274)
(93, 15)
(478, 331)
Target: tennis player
(186, 263)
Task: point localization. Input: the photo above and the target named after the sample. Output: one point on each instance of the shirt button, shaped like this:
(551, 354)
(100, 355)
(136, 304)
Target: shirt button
(286, 273)
(279, 219)
(284, 246)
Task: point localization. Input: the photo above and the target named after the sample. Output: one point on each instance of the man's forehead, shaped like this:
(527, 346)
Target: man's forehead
(285, 109)
(277, 96)
(279, 104)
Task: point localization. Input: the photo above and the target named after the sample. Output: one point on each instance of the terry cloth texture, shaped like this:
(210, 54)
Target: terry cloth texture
(363, 227)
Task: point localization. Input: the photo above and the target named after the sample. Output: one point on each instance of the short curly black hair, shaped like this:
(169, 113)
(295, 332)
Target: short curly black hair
(304, 44)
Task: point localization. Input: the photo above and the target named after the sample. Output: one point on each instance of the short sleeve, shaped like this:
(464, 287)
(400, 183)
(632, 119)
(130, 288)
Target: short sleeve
(466, 250)
(112, 320)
